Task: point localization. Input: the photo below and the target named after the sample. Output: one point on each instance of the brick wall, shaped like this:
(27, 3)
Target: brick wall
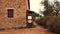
(19, 7)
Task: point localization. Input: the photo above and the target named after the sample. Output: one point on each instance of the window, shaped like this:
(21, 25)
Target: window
(10, 13)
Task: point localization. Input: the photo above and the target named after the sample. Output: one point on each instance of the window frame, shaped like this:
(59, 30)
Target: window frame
(10, 14)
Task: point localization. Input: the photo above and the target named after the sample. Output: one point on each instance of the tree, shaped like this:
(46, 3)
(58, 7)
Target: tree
(57, 7)
(49, 8)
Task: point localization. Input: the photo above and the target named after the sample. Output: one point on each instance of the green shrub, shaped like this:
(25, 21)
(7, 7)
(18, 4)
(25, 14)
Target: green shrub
(30, 25)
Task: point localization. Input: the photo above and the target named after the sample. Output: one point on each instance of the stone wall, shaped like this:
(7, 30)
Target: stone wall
(19, 7)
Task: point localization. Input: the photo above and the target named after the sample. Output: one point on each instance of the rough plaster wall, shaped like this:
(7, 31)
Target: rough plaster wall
(19, 7)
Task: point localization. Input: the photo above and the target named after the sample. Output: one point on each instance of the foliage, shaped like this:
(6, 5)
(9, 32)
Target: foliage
(48, 7)
(36, 14)
(57, 7)
(52, 23)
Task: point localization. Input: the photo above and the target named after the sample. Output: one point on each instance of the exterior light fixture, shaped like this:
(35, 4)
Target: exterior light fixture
(29, 19)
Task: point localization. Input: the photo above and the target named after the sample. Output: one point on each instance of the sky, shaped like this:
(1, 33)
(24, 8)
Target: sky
(36, 7)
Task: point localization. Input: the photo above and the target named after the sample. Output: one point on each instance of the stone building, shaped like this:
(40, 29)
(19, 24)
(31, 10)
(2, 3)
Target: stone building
(13, 13)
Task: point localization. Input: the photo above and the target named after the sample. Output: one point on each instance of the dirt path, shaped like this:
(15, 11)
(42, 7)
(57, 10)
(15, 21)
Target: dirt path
(36, 30)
